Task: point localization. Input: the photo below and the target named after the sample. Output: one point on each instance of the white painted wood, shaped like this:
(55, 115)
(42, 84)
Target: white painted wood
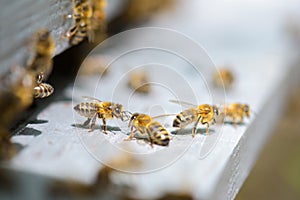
(20, 19)
(227, 32)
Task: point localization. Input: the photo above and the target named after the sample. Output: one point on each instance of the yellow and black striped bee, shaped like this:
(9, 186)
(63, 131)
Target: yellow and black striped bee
(139, 82)
(100, 109)
(98, 14)
(236, 112)
(42, 52)
(145, 125)
(203, 113)
(43, 90)
(223, 78)
(82, 16)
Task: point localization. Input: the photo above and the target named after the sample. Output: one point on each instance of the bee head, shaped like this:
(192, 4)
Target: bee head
(77, 2)
(44, 42)
(132, 119)
(216, 110)
(247, 110)
(117, 110)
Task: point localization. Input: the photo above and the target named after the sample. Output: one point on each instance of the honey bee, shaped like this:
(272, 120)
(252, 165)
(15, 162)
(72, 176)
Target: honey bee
(43, 90)
(223, 77)
(236, 112)
(43, 49)
(203, 113)
(82, 16)
(98, 13)
(145, 125)
(94, 65)
(100, 109)
(138, 81)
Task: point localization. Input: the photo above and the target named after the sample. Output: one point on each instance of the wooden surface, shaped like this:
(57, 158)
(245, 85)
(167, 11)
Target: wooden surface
(20, 19)
(53, 148)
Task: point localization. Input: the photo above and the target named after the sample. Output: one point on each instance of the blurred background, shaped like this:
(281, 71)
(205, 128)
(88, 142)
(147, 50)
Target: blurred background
(233, 32)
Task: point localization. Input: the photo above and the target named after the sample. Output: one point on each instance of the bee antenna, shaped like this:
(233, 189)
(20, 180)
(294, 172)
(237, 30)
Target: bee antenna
(127, 115)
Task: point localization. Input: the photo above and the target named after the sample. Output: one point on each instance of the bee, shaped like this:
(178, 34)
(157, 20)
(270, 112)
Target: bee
(16, 94)
(236, 112)
(102, 110)
(82, 9)
(139, 82)
(203, 113)
(98, 13)
(145, 125)
(43, 90)
(94, 65)
(223, 77)
(82, 16)
(43, 49)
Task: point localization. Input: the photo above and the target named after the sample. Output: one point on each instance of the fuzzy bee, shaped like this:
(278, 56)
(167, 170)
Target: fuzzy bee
(223, 78)
(146, 125)
(43, 90)
(82, 17)
(96, 108)
(139, 82)
(203, 113)
(236, 112)
(42, 52)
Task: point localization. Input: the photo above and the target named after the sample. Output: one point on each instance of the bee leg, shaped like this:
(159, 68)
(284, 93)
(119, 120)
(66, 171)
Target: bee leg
(151, 143)
(207, 128)
(40, 78)
(241, 119)
(93, 124)
(91, 36)
(195, 127)
(131, 136)
(86, 122)
(234, 122)
(104, 125)
(207, 125)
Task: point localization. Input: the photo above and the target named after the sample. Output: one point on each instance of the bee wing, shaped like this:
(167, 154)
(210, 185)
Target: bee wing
(182, 103)
(164, 121)
(163, 115)
(91, 98)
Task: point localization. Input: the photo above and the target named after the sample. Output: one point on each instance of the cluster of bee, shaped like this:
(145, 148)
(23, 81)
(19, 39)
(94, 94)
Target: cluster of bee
(204, 114)
(40, 64)
(88, 16)
(21, 84)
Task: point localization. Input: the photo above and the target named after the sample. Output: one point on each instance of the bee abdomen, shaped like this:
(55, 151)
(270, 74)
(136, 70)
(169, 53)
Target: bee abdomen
(159, 134)
(85, 109)
(80, 34)
(43, 90)
(183, 119)
(177, 121)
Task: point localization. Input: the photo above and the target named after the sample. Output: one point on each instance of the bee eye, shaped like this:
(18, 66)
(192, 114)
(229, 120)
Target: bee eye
(117, 110)
(133, 117)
